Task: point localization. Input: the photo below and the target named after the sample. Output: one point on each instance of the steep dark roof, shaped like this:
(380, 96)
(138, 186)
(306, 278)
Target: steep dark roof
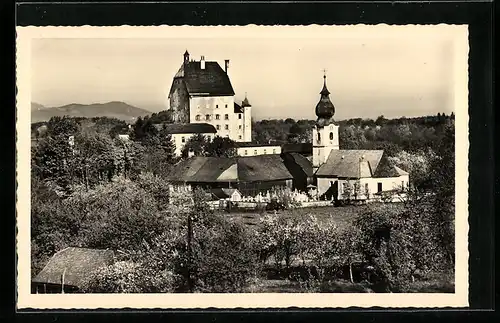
(78, 263)
(175, 128)
(245, 169)
(252, 144)
(351, 163)
(301, 148)
(237, 108)
(211, 81)
(304, 163)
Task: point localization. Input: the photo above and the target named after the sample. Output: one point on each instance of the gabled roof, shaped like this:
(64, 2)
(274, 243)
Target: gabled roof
(221, 169)
(178, 128)
(237, 108)
(210, 81)
(301, 148)
(223, 193)
(75, 263)
(351, 163)
(304, 163)
(262, 168)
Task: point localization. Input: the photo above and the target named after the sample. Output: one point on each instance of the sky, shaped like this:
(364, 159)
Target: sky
(390, 72)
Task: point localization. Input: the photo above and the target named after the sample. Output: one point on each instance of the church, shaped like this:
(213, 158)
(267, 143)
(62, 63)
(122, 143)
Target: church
(336, 171)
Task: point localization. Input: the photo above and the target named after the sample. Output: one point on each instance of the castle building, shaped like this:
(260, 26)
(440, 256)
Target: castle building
(201, 92)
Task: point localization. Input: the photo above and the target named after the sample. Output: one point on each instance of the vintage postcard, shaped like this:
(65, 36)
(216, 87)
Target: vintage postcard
(242, 167)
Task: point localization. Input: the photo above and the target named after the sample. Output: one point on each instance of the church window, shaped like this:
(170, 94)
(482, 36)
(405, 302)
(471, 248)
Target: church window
(207, 117)
(217, 117)
(218, 127)
(331, 135)
(239, 115)
(198, 117)
(319, 137)
(226, 117)
(226, 127)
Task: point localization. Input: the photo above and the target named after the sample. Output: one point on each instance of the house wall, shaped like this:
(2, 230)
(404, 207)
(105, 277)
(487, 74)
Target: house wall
(258, 150)
(247, 126)
(179, 102)
(214, 106)
(388, 183)
(327, 140)
(180, 139)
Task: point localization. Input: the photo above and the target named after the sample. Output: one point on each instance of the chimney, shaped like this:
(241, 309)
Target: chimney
(226, 65)
(202, 63)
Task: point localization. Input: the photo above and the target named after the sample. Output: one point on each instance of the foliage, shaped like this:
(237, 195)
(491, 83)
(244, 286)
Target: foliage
(200, 145)
(129, 277)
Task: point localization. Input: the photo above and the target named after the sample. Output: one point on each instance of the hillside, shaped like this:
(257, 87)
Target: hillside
(115, 109)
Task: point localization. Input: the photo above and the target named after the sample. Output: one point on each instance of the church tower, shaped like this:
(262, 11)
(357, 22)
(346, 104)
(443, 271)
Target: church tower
(325, 132)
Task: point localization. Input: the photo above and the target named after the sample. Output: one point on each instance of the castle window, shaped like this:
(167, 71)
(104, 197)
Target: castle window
(226, 105)
(239, 127)
(239, 115)
(217, 117)
(226, 127)
(216, 106)
(198, 117)
(239, 137)
(217, 127)
(331, 135)
(207, 117)
(226, 117)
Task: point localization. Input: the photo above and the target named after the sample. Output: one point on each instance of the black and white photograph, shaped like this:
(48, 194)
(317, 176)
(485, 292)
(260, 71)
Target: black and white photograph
(229, 165)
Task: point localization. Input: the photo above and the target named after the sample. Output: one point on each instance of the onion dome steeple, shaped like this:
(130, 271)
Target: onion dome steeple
(324, 109)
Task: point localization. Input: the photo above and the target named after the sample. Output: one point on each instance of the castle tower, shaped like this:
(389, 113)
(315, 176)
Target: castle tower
(247, 116)
(325, 132)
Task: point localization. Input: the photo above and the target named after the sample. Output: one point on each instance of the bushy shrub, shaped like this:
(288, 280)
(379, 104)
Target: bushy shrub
(129, 277)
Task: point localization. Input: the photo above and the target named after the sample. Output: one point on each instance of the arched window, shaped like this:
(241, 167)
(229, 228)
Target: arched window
(331, 135)
(319, 136)
(217, 117)
(207, 117)
(198, 117)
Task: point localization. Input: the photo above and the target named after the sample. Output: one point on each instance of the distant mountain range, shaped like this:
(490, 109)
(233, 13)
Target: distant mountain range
(114, 109)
